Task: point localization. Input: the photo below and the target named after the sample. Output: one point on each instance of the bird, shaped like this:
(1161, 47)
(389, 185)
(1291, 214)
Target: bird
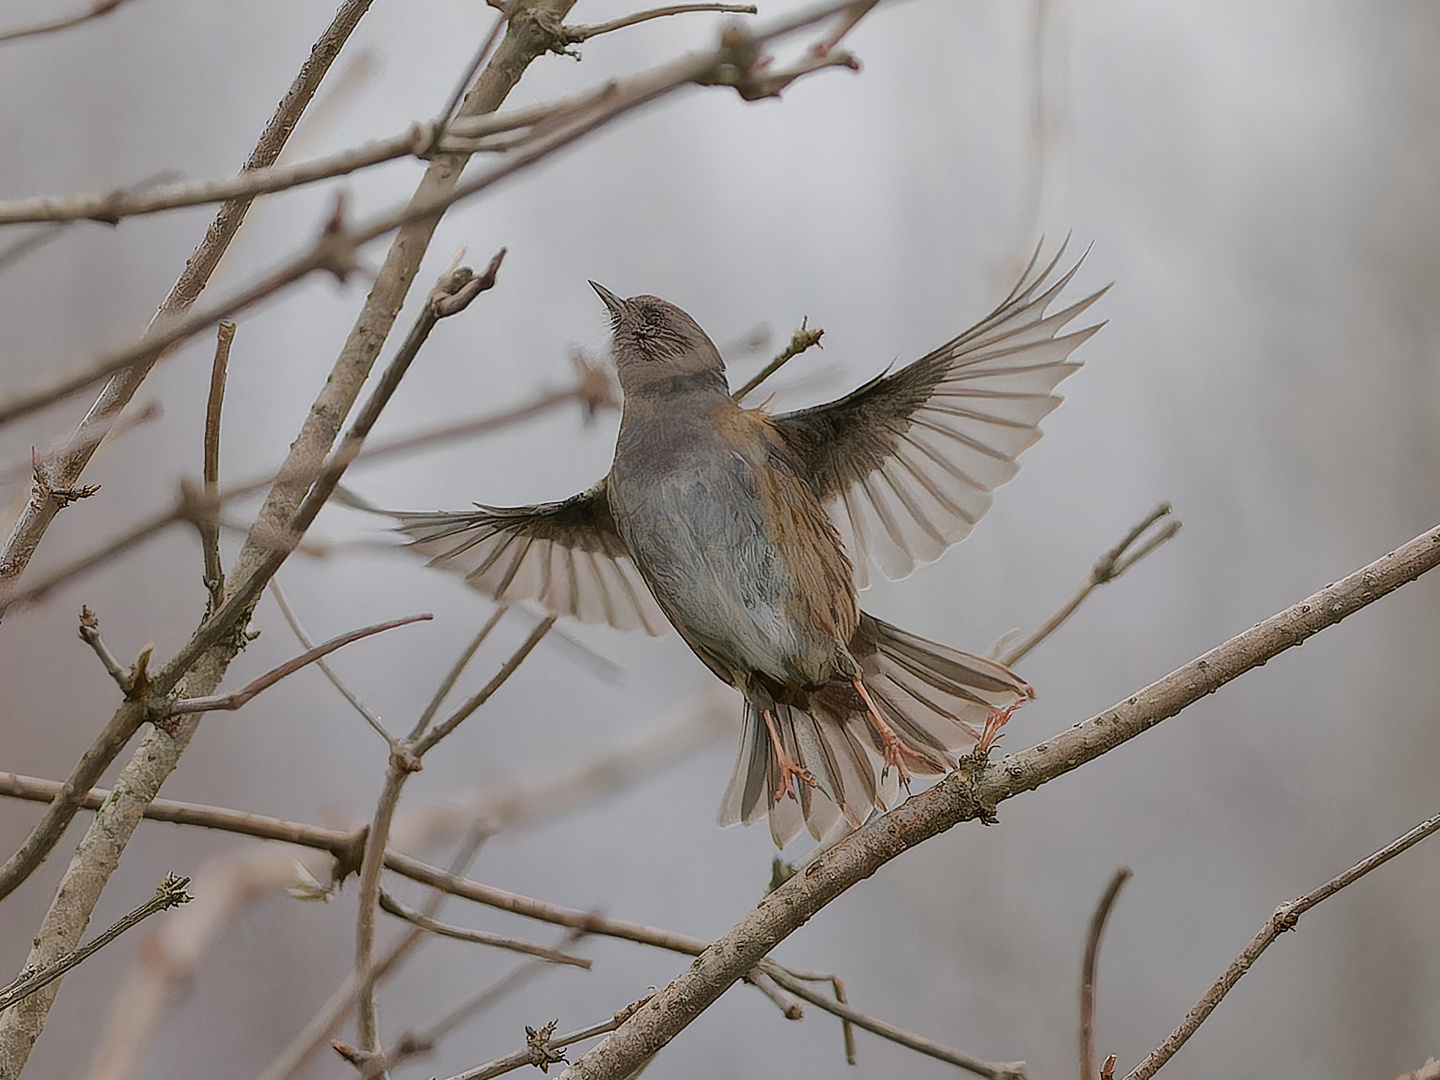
(752, 534)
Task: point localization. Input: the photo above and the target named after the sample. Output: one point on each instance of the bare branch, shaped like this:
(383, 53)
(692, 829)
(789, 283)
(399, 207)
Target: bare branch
(362, 981)
(239, 698)
(802, 339)
(299, 631)
(542, 1047)
(169, 893)
(126, 679)
(739, 62)
(112, 207)
(1284, 918)
(69, 462)
(415, 1043)
(577, 34)
(195, 508)
(427, 741)
(392, 906)
(973, 791)
(210, 528)
(1088, 970)
(25, 470)
(1110, 566)
(97, 8)
(1014, 1070)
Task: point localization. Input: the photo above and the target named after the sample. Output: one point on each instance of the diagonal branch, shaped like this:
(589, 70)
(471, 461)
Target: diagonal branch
(239, 698)
(169, 893)
(1284, 918)
(392, 906)
(973, 791)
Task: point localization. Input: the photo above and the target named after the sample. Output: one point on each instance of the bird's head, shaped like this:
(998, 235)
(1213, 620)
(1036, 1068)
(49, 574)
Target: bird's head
(659, 348)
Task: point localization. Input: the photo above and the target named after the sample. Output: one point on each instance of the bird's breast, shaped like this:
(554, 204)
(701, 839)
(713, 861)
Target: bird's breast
(734, 546)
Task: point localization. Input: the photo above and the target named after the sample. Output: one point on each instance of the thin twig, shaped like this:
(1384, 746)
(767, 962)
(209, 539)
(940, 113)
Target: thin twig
(112, 207)
(415, 1043)
(543, 1047)
(169, 893)
(392, 906)
(1088, 969)
(440, 731)
(577, 34)
(238, 698)
(242, 599)
(209, 526)
(1109, 567)
(1284, 918)
(64, 22)
(128, 679)
(1014, 1070)
(456, 670)
(299, 631)
(802, 339)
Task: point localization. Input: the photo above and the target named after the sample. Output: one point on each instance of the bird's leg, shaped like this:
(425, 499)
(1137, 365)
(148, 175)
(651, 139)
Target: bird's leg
(895, 750)
(993, 723)
(788, 768)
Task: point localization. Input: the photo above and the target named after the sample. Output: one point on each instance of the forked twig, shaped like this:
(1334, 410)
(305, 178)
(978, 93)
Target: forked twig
(1110, 566)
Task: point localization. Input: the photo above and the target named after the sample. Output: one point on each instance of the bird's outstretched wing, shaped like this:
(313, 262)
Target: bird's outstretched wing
(907, 463)
(565, 556)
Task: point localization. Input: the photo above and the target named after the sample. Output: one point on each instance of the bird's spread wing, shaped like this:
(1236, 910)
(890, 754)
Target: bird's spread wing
(565, 556)
(907, 463)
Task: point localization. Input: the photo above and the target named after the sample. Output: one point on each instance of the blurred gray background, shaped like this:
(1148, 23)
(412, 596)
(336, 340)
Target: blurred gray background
(1258, 180)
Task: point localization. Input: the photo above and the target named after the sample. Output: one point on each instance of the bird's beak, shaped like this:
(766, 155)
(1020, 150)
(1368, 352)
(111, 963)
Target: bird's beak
(613, 302)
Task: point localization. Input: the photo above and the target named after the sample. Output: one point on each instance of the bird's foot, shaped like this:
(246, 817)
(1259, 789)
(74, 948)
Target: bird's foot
(990, 735)
(788, 768)
(894, 748)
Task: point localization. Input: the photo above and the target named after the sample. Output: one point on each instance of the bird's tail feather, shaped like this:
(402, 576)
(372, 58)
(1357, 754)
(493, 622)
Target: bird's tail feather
(935, 698)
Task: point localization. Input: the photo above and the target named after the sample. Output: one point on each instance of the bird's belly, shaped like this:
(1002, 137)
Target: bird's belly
(698, 538)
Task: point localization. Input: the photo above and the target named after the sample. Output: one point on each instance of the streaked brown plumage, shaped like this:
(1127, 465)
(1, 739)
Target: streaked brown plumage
(752, 533)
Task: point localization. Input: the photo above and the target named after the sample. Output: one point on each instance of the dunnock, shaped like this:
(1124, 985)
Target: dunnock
(750, 534)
